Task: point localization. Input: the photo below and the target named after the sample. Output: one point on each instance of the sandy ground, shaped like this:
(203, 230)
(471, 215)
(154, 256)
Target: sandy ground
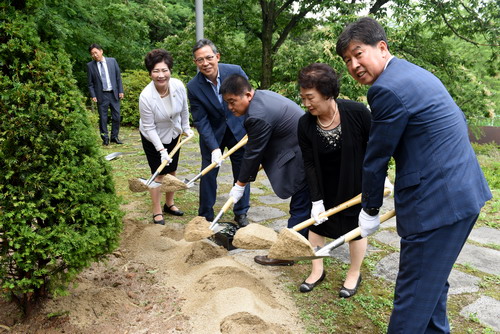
(157, 282)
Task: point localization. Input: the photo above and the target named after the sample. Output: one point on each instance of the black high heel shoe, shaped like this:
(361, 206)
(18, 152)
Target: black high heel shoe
(168, 209)
(346, 293)
(160, 222)
(308, 287)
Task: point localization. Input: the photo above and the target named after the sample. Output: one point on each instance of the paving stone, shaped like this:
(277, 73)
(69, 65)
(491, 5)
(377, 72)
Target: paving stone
(461, 282)
(279, 224)
(256, 190)
(265, 182)
(481, 258)
(388, 237)
(388, 267)
(342, 252)
(486, 310)
(260, 213)
(485, 235)
(273, 199)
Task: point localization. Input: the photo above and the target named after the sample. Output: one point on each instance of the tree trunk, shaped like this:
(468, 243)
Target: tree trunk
(268, 17)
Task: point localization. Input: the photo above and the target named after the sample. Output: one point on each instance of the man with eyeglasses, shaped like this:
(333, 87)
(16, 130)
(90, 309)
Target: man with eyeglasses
(217, 126)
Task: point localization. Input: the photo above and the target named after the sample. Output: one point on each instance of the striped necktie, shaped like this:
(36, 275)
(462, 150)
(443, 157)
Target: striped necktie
(103, 76)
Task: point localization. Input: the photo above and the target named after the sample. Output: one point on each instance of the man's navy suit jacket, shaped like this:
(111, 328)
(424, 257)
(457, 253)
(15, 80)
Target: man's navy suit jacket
(415, 120)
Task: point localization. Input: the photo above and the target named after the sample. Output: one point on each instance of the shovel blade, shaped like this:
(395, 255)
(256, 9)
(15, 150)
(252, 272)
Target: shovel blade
(153, 184)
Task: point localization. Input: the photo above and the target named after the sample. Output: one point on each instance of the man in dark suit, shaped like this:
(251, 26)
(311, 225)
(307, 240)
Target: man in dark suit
(271, 121)
(439, 187)
(217, 127)
(105, 87)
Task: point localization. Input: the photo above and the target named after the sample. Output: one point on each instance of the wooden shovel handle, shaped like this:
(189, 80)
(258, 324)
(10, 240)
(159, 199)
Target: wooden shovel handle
(165, 162)
(357, 231)
(353, 201)
(236, 147)
(347, 204)
(179, 144)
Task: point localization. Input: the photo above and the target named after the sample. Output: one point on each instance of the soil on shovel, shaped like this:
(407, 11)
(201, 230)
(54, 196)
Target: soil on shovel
(171, 184)
(290, 244)
(197, 229)
(136, 185)
(255, 236)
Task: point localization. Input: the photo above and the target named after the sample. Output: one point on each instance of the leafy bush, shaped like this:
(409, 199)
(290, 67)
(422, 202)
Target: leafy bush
(134, 82)
(58, 208)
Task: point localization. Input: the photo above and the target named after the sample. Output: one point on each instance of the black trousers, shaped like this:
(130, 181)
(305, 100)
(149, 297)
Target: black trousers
(109, 102)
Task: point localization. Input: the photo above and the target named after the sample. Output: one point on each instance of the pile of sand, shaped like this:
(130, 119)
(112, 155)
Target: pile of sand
(171, 184)
(255, 236)
(198, 229)
(136, 185)
(290, 244)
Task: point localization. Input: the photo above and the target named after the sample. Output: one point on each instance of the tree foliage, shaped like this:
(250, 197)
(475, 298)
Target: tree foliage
(58, 209)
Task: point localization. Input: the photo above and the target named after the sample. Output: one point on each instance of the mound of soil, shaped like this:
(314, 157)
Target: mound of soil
(157, 282)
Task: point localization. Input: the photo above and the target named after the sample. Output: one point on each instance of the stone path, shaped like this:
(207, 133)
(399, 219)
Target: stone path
(478, 253)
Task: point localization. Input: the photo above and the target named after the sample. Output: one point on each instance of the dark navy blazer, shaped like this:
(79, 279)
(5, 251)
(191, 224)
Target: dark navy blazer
(94, 79)
(415, 120)
(210, 117)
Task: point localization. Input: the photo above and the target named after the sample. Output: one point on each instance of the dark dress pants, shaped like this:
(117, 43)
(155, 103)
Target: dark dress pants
(109, 101)
(208, 182)
(426, 260)
(300, 209)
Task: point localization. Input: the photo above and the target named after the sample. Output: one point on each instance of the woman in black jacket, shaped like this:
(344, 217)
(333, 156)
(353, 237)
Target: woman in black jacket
(333, 137)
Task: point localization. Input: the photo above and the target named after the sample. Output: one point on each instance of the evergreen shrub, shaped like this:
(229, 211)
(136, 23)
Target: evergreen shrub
(58, 208)
(134, 82)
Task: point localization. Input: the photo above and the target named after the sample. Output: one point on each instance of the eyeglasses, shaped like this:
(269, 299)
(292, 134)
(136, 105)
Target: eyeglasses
(201, 60)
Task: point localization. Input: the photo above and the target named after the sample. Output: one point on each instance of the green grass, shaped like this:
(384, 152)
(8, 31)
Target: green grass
(322, 311)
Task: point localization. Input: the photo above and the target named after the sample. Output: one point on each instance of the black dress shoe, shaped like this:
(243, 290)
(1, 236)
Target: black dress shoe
(116, 140)
(160, 222)
(105, 141)
(308, 287)
(168, 209)
(242, 220)
(346, 293)
(266, 261)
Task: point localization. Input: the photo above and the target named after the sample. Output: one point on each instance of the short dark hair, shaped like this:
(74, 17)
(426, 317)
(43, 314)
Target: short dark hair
(365, 30)
(204, 42)
(235, 84)
(157, 56)
(94, 46)
(322, 77)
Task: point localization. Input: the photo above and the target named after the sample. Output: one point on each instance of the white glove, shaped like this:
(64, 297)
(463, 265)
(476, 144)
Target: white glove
(388, 185)
(189, 132)
(237, 192)
(216, 156)
(317, 208)
(165, 156)
(368, 224)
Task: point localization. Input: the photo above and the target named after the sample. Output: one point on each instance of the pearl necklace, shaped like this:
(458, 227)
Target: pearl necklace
(333, 119)
(164, 94)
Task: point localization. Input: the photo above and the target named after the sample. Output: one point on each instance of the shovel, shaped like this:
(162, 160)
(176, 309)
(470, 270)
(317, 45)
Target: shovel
(325, 250)
(199, 228)
(214, 226)
(289, 237)
(113, 155)
(241, 143)
(150, 183)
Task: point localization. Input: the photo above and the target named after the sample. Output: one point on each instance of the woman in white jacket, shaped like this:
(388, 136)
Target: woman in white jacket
(164, 117)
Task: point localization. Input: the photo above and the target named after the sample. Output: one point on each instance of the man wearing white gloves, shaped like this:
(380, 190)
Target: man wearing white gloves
(271, 123)
(439, 185)
(218, 128)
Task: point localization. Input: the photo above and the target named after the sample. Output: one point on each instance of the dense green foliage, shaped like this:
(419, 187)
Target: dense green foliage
(134, 82)
(58, 208)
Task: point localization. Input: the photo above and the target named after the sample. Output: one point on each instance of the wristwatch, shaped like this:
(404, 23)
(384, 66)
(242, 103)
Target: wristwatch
(371, 211)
